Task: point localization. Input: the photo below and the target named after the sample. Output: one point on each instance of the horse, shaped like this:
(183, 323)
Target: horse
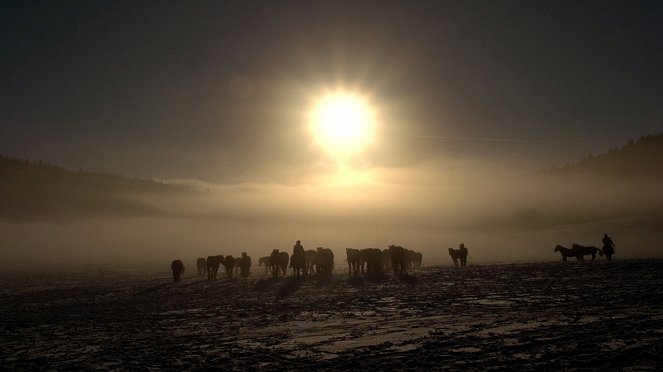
(581, 251)
(457, 254)
(312, 259)
(416, 260)
(566, 252)
(202, 266)
(213, 263)
(386, 260)
(326, 260)
(397, 255)
(178, 269)
(264, 261)
(278, 260)
(245, 265)
(409, 258)
(298, 260)
(238, 265)
(373, 259)
(229, 263)
(354, 259)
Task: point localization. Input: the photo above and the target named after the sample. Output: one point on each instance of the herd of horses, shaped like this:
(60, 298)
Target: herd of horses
(368, 261)
(374, 261)
(303, 262)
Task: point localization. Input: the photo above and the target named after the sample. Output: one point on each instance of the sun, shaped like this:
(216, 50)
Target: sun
(342, 123)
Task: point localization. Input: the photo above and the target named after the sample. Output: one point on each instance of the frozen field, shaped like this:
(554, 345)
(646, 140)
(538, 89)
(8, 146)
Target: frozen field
(542, 315)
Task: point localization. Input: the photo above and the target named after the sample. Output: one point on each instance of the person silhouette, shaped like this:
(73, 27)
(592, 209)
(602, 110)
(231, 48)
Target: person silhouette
(608, 247)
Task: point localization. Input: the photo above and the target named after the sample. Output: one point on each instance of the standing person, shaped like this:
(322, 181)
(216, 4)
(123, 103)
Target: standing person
(608, 247)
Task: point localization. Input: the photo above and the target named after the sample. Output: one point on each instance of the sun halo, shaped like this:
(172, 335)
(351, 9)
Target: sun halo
(342, 123)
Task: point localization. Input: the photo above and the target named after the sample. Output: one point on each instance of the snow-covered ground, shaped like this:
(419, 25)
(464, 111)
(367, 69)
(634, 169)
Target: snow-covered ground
(541, 315)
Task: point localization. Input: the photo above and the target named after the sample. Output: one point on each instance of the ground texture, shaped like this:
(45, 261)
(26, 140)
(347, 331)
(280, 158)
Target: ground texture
(596, 315)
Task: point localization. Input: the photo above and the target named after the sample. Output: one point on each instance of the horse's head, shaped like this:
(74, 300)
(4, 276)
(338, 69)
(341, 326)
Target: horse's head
(557, 247)
(451, 251)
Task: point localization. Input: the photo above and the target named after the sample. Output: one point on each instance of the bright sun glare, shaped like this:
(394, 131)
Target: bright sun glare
(342, 123)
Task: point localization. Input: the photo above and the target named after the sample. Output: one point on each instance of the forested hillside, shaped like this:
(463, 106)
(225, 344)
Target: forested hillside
(32, 190)
(639, 159)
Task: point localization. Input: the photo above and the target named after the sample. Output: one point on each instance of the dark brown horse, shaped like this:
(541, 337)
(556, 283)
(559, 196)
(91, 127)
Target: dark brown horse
(397, 254)
(264, 261)
(354, 259)
(202, 266)
(459, 254)
(312, 259)
(178, 269)
(213, 263)
(416, 260)
(278, 260)
(566, 252)
(325, 260)
(229, 263)
(582, 251)
(298, 260)
(245, 265)
(373, 259)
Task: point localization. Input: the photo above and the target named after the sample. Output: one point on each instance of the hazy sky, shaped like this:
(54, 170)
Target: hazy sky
(217, 90)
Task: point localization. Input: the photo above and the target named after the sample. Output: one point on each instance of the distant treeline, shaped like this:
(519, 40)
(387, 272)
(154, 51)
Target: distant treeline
(639, 159)
(30, 189)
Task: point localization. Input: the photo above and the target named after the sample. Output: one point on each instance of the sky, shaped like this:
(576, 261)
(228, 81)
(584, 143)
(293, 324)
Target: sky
(218, 91)
(466, 100)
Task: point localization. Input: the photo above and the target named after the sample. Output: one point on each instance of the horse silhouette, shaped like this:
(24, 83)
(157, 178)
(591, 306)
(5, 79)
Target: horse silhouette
(372, 257)
(386, 260)
(581, 251)
(264, 261)
(578, 251)
(229, 263)
(278, 260)
(245, 265)
(459, 254)
(354, 261)
(178, 269)
(312, 259)
(566, 252)
(238, 264)
(213, 263)
(417, 257)
(298, 260)
(325, 260)
(397, 255)
(202, 266)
